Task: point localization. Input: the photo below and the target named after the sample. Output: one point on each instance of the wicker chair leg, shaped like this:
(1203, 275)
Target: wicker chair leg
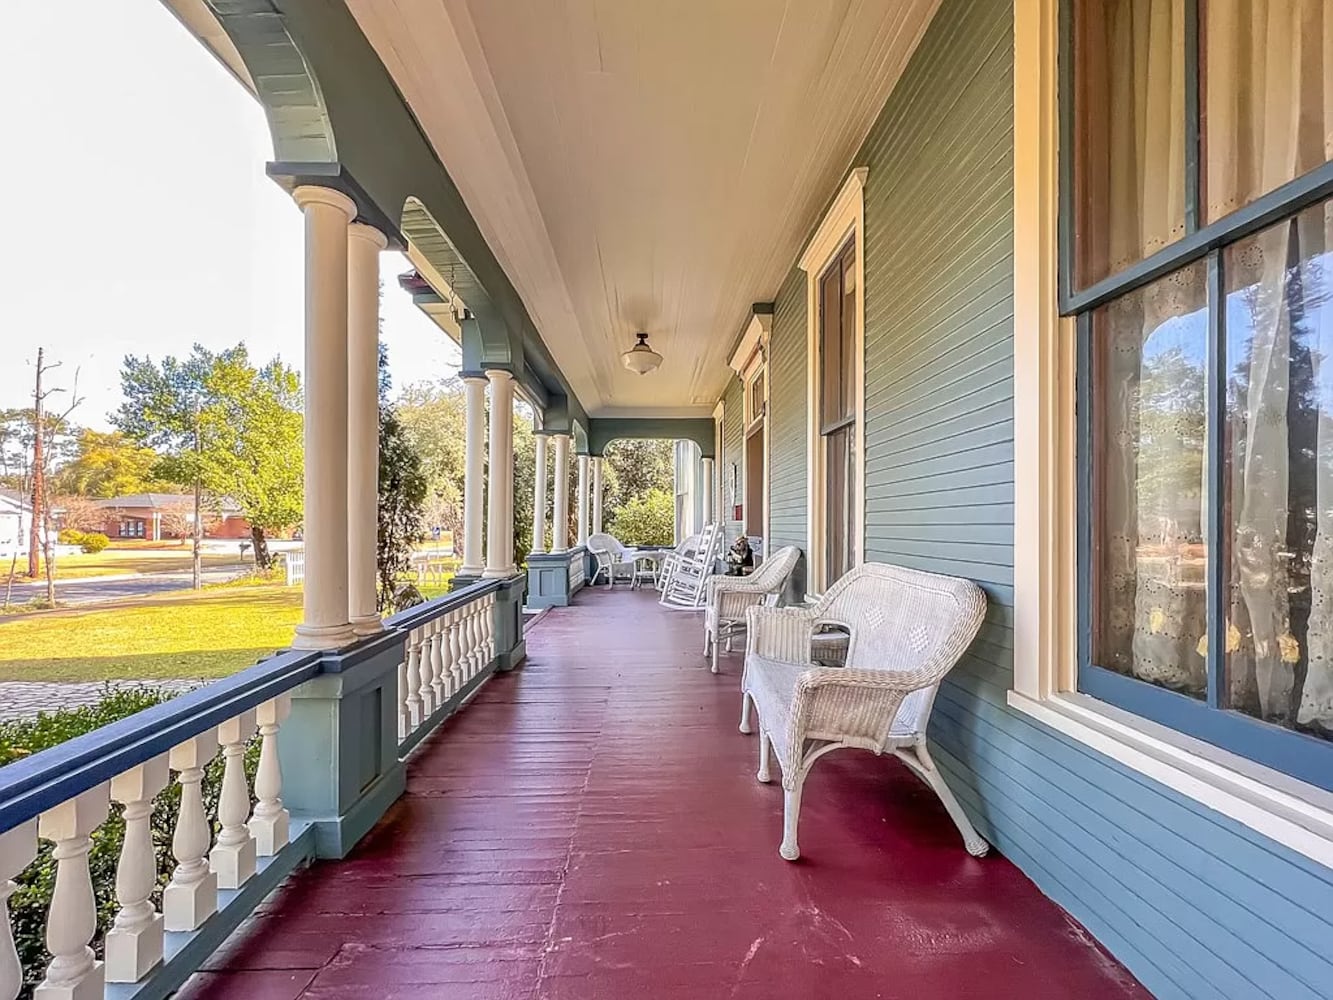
(764, 775)
(714, 655)
(791, 817)
(976, 845)
(746, 704)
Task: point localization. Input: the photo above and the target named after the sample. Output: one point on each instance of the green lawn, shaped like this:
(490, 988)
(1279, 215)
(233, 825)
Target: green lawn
(185, 635)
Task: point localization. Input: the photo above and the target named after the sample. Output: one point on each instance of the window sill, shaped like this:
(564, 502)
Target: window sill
(1275, 805)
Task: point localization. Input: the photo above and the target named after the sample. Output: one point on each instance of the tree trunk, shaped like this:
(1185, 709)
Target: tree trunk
(263, 558)
(49, 553)
(38, 480)
(197, 535)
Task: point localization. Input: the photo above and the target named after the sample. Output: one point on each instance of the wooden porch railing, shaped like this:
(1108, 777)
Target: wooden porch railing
(442, 652)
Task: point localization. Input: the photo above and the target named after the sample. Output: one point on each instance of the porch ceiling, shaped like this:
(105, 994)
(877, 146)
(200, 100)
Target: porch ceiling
(644, 166)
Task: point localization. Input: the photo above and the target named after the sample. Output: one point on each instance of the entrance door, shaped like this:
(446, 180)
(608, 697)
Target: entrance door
(837, 408)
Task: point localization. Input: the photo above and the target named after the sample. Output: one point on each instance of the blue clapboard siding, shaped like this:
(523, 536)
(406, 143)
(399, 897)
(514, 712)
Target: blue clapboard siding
(787, 416)
(1197, 906)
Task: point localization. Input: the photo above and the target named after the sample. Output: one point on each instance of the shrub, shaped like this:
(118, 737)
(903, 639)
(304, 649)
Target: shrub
(648, 519)
(71, 536)
(94, 541)
(30, 902)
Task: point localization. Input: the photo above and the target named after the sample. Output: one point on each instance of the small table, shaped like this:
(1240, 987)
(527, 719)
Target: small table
(647, 566)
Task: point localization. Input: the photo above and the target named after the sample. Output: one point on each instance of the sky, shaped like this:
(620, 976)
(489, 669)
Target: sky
(138, 217)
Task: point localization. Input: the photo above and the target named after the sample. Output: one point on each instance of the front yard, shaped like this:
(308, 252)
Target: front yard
(118, 561)
(186, 635)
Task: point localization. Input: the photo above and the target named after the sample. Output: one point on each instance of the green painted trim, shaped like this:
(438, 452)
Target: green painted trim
(187, 951)
(603, 430)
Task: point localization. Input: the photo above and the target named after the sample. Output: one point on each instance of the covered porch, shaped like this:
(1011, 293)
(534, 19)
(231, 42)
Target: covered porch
(590, 827)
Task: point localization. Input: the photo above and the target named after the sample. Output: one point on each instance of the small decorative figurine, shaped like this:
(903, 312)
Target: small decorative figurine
(740, 557)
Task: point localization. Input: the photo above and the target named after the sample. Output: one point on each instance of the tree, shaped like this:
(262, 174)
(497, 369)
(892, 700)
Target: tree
(224, 428)
(42, 426)
(108, 464)
(648, 519)
(254, 443)
(433, 418)
(403, 485)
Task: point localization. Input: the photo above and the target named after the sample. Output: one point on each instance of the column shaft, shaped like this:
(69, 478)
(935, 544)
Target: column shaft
(474, 469)
(539, 496)
(325, 618)
(560, 513)
(597, 495)
(363, 423)
(583, 500)
(710, 514)
(500, 501)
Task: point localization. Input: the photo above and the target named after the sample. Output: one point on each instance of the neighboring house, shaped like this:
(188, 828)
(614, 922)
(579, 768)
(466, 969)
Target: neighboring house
(15, 523)
(156, 516)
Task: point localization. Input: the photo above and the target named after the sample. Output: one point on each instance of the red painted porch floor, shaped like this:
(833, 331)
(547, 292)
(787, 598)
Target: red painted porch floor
(589, 828)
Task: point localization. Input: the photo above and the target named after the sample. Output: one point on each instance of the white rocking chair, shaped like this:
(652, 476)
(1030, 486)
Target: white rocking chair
(685, 586)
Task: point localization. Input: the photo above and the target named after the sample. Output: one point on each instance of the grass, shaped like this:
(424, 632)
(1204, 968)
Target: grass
(186, 635)
(112, 562)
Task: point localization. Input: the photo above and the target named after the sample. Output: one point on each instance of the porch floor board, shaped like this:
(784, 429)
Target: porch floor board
(590, 828)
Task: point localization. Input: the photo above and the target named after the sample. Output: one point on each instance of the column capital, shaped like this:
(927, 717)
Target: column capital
(370, 234)
(499, 375)
(474, 379)
(310, 194)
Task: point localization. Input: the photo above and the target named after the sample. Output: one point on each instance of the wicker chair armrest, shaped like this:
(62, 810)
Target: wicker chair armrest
(735, 585)
(779, 633)
(732, 604)
(852, 704)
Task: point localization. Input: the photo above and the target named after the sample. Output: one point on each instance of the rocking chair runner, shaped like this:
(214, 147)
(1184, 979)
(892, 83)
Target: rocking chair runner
(906, 629)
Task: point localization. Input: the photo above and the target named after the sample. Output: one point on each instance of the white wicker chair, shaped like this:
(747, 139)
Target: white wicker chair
(612, 557)
(729, 597)
(906, 629)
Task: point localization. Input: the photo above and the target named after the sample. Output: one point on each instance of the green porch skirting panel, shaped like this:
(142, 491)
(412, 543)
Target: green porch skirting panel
(1196, 905)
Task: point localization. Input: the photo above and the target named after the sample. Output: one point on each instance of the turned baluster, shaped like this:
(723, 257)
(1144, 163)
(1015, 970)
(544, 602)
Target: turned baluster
(404, 713)
(270, 822)
(467, 641)
(425, 632)
(71, 921)
(134, 942)
(191, 897)
(447, 655)
(457, 663)
(18, 847)
(414, 702)
(439, 674)
(488, 623)
(233, 859)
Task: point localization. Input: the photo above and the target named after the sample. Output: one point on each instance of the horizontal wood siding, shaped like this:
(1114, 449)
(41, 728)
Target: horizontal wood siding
(787, 416)
(1197, 906)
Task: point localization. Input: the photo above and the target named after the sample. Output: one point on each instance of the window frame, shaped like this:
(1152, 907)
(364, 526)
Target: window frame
(1300, 755)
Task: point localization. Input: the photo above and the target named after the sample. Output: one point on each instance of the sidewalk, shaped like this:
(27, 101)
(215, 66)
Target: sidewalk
(24, 699)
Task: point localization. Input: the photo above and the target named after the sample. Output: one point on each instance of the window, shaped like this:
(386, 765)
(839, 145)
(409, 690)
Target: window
(837, 407)
(132, 527)
(1197, 256)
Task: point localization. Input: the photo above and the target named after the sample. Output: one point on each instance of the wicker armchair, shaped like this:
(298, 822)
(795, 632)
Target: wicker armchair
(906, 629)
(612, 557)
(729, 597)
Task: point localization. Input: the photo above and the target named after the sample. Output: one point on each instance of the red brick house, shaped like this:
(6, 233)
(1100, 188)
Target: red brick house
(156, 516)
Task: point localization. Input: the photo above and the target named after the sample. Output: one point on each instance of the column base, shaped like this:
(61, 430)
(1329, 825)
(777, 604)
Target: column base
(462, 580)
(367, 625)
(186, 907)
(472, 571)
(323, 636)
(131, 955)
(502, 573)
(233, 863)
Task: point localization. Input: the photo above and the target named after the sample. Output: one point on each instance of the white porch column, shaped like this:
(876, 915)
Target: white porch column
(363, 423)
(474, 389)
(583, 500)
(597, 495)
(560, 513)
(710, 515)
(325, 621)
(539, 497)
(500, 501)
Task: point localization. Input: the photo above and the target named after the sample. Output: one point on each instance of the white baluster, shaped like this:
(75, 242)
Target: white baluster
(425, 689)
(470, 642)
(439, 676)
(74, 972)
(404, 715)
(233, 859)
(415, 705)
(18, 847)
(447, 655)
(191, 897)
(488, 623)
(270, 824)
(457, 663)
(134, 942)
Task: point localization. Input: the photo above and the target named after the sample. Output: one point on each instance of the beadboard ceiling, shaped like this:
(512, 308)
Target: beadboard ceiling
(645, 165)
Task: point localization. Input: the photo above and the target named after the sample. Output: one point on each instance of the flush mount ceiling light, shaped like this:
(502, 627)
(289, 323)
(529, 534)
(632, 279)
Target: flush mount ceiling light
(641, 359)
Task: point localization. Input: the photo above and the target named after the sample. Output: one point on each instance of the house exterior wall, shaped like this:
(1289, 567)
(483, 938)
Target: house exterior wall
(1195, 904)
